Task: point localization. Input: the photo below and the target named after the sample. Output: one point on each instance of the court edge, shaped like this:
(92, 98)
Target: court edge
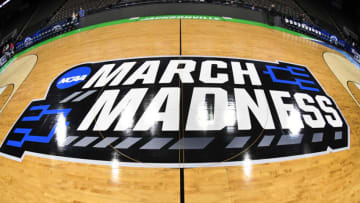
(170, 165)
(161, 17)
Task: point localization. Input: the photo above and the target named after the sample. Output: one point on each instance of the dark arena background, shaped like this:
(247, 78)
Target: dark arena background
(179, 101)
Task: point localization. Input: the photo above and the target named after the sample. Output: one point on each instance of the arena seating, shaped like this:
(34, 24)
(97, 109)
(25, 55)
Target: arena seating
(292, 15)
(71, 6)
(302, 27)
(283, 7)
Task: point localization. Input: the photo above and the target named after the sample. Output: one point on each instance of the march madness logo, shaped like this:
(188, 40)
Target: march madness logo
(211, 108)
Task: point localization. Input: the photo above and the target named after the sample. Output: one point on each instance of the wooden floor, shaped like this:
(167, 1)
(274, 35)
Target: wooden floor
(333, 177)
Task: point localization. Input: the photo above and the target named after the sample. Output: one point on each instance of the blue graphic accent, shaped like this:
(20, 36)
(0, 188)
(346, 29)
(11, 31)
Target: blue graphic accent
(32, 138)
(299, 82)
(44, 109)
(26, 131)
(73, 77)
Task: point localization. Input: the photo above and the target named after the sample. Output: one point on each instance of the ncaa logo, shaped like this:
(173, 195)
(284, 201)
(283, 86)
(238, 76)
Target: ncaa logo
(135, 105)
(73, 77)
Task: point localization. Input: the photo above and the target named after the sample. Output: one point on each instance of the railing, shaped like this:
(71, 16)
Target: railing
(289, 22)
(314, 31)
(320, 34)
(46, 33)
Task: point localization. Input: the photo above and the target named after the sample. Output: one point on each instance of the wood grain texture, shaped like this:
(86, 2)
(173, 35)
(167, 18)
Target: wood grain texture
(5, 94)
(354, 88)
(16, 74)
(328, 178)
(334, 177)
(344, 70)
(43, 180)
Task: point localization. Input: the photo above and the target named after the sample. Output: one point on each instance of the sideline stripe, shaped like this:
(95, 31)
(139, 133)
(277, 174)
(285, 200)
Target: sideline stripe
(127, 142)
(156, 143)
(70, 97)
(106, 142)
(85, 141)
(83, 96)
(163, 17)
(192, 143)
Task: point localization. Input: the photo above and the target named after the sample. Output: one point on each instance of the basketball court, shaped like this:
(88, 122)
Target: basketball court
(193, 144)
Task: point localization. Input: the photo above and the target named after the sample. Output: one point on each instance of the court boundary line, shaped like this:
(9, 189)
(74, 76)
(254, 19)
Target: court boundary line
(181, 131)
(146, 18)
(174, 165)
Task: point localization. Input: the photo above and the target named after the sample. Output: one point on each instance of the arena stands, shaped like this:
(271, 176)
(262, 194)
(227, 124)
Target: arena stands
(40, 17)
(73, 6)
(330, 18)
(286, 8)
(50, 19)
